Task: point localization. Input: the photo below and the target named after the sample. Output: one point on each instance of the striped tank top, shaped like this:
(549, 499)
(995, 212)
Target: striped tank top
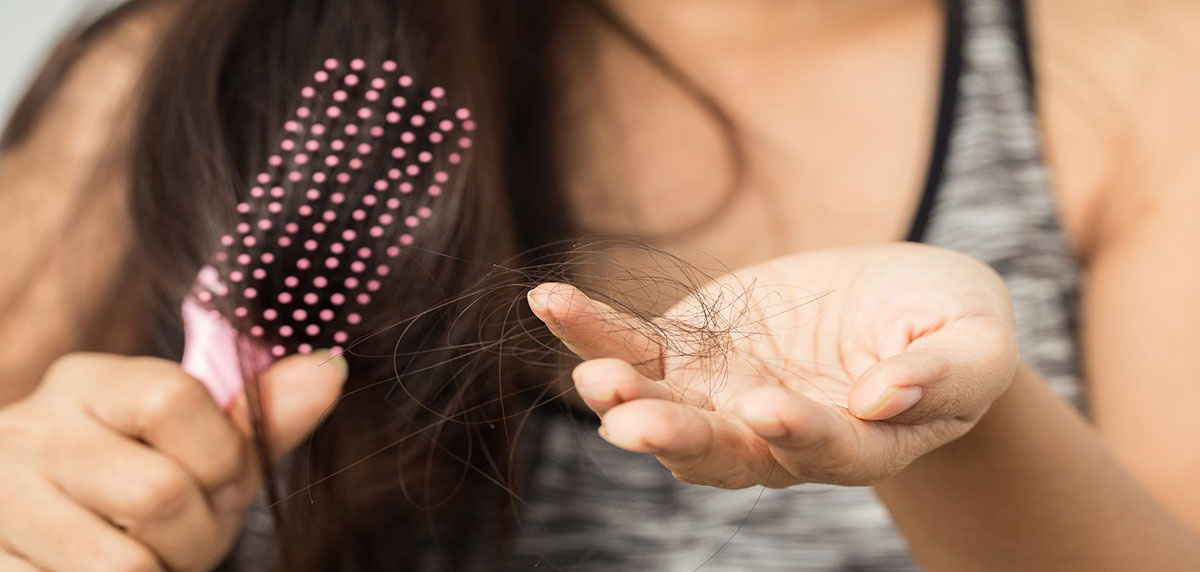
(589, 506)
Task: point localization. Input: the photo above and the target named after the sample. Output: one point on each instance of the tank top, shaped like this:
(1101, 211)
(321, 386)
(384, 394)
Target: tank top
(590, 506)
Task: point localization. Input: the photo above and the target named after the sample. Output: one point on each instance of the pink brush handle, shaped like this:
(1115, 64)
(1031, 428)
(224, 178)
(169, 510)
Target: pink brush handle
(213, 352)
(210, 352)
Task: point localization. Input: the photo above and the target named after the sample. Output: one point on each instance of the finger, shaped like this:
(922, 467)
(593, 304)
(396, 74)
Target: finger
(155, 401)
(953, 373)
(896, 384)
(919, 386)
(698, 446)
(297, 393)
(12, 563)
(593, 329)
(143, 491)
(805, 437)
(607, 382)
(61, 535)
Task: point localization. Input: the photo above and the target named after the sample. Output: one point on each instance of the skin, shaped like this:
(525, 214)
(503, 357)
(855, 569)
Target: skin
(1058, 492)
(130, 465)
(1112, 98)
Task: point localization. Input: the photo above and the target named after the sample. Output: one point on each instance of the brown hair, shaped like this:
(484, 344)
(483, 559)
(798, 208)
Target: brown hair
(422, 443)
(413, 466)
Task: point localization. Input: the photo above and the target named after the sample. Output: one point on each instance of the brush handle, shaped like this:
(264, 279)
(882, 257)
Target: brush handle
(215, 353)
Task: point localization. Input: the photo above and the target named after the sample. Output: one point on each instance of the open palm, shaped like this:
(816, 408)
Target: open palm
(837, 366)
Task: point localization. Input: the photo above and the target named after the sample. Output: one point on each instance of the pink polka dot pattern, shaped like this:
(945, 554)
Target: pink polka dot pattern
(340, 199)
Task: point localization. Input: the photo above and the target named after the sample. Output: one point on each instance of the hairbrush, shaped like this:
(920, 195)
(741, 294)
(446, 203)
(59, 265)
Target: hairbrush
(358, 168)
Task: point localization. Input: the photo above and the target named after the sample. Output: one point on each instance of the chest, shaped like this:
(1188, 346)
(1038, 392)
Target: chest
(804, 148)
(807, 146)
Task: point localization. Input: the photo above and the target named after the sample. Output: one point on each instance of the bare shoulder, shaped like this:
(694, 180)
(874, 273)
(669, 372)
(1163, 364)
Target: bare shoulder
(1118, 95)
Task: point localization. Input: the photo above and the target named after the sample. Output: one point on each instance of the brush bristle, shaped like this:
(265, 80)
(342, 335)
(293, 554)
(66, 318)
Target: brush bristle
(360, 166)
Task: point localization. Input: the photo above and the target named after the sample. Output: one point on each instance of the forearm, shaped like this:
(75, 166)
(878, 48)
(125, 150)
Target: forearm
(1032, 487)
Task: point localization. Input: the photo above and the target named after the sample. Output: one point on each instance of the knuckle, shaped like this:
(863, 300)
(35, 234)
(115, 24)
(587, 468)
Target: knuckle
(69, 366)
(24, 438)
(159, 495)
(171, 394)
(17, 428)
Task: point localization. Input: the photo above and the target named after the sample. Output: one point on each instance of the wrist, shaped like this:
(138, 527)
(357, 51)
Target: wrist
(989, 438)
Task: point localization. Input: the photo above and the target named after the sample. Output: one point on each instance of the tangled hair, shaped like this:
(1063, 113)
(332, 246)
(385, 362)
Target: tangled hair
(416, 466)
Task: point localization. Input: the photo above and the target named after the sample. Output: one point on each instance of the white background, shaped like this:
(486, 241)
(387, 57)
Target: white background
(28, 30)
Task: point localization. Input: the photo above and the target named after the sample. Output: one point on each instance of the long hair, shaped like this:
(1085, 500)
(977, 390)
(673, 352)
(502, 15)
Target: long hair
(415, 468)
(418, 461)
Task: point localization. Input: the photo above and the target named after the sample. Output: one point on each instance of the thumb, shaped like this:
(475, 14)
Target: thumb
(898, 384)
(297, 393)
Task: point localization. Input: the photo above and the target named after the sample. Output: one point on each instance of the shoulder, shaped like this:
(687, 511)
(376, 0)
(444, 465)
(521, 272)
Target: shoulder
(1117, 92)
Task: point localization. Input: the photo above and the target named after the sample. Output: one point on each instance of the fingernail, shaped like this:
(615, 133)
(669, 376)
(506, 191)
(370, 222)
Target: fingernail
(636, 445)
(893, 401)
(604, 435)
(536, 299)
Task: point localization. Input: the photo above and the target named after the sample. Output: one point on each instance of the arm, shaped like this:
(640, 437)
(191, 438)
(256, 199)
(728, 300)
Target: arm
(1036, 487)
(1033, 487)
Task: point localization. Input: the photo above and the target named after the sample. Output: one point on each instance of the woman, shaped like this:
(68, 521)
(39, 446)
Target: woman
(693, 125)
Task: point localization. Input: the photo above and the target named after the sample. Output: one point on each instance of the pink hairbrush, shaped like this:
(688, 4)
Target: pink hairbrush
(361, 161)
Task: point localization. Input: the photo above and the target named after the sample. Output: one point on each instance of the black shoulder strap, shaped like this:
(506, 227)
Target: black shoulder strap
(951, 70)
(1020, 25)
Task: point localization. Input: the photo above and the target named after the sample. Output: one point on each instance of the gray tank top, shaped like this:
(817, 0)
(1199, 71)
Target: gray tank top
(592, 507)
